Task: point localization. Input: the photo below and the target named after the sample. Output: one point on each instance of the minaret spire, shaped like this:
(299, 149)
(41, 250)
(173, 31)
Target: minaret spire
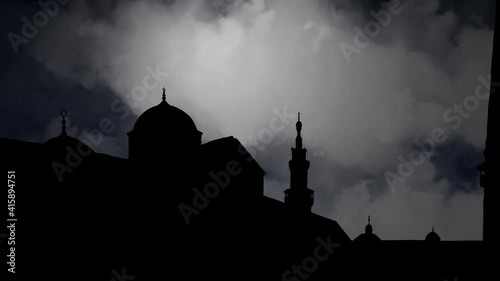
(164, 96)
(298, 139)
(64, 113)
(299, 197)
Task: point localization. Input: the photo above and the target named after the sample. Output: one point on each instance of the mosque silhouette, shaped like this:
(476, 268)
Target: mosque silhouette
(180, 209)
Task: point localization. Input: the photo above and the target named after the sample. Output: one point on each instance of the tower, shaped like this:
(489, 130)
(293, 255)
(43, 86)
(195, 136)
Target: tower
(298, 197)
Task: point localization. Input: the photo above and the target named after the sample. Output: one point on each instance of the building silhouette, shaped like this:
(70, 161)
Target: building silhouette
(177, 207)
(181, 209)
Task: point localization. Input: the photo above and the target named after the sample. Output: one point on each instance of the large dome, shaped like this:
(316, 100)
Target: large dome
(164, 117)
(163, 131)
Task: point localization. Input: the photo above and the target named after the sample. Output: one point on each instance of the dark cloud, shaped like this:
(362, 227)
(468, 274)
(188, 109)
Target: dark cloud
(457, 161)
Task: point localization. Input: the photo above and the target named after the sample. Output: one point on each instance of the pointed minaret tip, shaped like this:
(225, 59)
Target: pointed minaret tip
(64, 113)
(298, 139)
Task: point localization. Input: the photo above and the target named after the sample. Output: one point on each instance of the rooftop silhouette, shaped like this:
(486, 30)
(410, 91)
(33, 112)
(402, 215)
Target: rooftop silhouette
(198, 207)
(180, 207)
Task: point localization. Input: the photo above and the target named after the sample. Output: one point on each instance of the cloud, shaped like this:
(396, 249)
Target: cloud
(412, 210)
(230, 70)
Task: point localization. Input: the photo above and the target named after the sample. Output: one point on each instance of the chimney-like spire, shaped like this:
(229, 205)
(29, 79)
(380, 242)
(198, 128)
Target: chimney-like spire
(368, 228)
(64, 113)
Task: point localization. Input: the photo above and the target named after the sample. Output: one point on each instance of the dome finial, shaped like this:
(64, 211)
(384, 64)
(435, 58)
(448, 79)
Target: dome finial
(64, 113)
(299, 116)
(164, 97)
(368, 219)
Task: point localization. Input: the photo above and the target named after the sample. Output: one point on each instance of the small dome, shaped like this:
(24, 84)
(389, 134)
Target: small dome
(365, 238)
(64, 140)
(298, 125)
(368, 236)
(60, 144)
(432, 236)
(368, 227)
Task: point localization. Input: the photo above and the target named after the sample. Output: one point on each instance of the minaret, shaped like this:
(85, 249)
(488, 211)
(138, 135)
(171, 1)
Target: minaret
(490, 169)
(298, 197)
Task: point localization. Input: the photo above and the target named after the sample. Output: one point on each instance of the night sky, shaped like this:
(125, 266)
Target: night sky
(371, 95)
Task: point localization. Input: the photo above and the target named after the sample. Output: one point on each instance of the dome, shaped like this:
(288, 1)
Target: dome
(63, 140)
(432, 236)
(61, 143)
(164, 131)
(164, 116)
(368, 236)
(298, 125)
(368, 227)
